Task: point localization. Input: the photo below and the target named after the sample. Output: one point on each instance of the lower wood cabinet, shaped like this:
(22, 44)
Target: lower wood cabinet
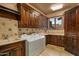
(71, 44)
(13, 49)
(55, 40)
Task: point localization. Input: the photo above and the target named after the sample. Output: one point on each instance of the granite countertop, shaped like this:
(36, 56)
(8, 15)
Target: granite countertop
(62, 34)
(4, 42)
(55, 34)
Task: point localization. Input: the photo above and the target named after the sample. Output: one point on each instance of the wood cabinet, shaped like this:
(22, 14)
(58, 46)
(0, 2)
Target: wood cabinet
(8, 13)
(55, 40)
(30, 18)
(13, 49)
(71, 27)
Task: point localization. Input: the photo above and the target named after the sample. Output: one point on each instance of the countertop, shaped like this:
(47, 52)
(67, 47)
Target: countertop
(55, 32)
(62, 34)
(4, 42)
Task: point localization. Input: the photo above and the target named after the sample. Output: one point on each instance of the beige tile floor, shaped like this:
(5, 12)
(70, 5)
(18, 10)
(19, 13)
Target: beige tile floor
(52, 50)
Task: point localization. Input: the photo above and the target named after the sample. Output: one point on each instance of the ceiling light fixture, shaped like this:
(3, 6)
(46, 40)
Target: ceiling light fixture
(56, 7)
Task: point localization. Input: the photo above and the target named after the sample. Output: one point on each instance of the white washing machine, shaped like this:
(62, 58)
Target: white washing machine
(35, 45)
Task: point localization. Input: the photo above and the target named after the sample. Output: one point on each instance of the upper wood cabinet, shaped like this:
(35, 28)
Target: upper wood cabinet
(8, 13)
(30, 18)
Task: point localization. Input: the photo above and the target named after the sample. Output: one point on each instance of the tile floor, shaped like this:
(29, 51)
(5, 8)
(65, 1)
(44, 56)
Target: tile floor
(52, 50)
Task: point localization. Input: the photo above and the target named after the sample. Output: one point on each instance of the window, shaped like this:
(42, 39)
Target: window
(56, 23)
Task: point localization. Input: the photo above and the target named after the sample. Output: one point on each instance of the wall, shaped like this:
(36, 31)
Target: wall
(30, 30)
(58, 13)
(8, 29)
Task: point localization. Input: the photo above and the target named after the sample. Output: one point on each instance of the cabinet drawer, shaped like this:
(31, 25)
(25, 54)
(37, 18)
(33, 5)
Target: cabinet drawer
(12, 46)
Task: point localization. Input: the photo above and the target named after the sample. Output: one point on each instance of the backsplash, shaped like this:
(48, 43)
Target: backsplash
(31, 30)
(41, 31)
(8, 29)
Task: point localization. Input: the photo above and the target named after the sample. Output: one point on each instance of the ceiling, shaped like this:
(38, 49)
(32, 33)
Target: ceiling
(45, 7)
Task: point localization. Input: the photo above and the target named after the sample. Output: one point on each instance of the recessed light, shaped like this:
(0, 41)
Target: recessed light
(56, 7)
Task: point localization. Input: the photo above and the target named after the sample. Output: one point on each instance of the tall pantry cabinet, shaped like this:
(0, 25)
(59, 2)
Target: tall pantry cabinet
(71, 27)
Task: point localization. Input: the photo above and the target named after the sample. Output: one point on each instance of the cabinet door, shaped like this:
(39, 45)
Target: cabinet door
(45, 22)
(40, 21)
(67, 27)
(66, 23)
(77, 46)
(23, 19)
(71, 44)
(73, 20)
(59, 41)
(31, 18)
(18, 51)
(48, 39)
(27, 18)
(36, 19)
(54, 40)
(74, 46)
(77, 21)
(25, 15)
(70, 22)
(68, 43)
